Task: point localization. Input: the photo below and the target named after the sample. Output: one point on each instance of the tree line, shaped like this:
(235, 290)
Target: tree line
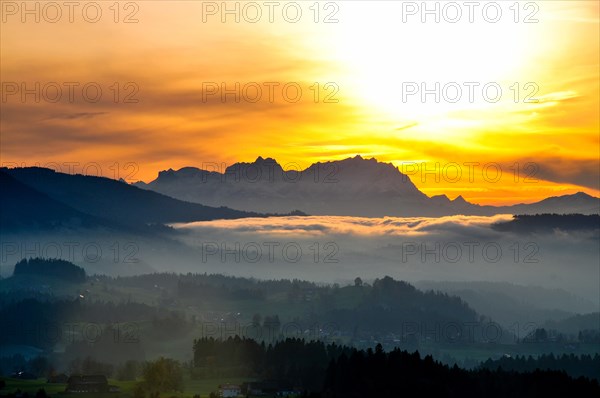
(331, 371)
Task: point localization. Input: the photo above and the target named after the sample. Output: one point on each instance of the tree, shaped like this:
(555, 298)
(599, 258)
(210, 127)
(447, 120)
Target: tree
(163, 375)
(272, 325)
(138, 391)
(358, 282)
(130, 370)
(256, 318)
(39, 366)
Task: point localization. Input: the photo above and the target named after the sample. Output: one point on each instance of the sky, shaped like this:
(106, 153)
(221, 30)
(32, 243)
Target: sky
(129, 90)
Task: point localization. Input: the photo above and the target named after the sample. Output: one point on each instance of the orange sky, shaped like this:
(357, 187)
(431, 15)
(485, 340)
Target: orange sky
(369, 57)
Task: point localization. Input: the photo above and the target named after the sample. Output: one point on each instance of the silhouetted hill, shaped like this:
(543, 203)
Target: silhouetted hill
(391, 306)
(549, 222)
(114, 200)
(580, 202)
(353, 186)
(24, 208)
(56, 268)
(576, 323)
(508, 303)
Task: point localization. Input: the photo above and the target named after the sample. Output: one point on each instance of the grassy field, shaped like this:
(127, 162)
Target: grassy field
(31, 386)
(191, 387)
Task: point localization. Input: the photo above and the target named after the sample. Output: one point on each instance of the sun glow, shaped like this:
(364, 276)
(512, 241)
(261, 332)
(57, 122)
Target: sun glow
(388, 59)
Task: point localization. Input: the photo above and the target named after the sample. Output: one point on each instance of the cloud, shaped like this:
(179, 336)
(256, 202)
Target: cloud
(318, 226)
(79, 115)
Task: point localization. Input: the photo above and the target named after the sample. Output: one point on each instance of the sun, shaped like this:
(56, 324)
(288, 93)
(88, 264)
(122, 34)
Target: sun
(385, 59)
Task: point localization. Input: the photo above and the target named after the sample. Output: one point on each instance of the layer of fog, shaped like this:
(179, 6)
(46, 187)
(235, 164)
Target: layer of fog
(456, 248)
(334, 250)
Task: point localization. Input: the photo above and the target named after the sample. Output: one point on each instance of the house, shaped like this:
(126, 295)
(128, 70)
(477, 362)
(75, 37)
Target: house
(276, 388)
(87, 383)
(288, 393)
(114, 389)
(229, 390)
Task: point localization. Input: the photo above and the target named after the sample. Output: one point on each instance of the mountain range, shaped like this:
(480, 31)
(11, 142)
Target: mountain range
(42, 198)
(350, 187)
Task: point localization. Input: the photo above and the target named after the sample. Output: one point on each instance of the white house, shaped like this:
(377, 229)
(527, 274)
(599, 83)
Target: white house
(229, 390)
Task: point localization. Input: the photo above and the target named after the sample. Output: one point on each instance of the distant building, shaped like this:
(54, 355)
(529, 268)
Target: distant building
(288, 393)
(229, 390)
(114, 389)
(276, 388)
(87, 383)
(23, 375)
